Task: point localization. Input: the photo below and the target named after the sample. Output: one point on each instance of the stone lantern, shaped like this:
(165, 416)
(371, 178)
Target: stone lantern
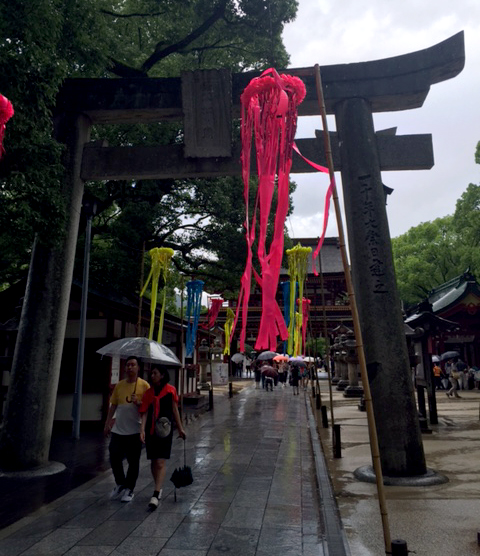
(216, 354)
(204, 362)
(353, 390)
(334, 357)
(342, 363)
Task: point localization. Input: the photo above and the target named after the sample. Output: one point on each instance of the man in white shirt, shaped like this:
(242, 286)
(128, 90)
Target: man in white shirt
(123, 422)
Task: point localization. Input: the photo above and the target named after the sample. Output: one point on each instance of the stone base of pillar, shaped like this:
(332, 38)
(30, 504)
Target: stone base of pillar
(335, 380)
(342, 384)
(50, 468)
(366, 474)
(424, 425)
(353, 392)
(203, 386)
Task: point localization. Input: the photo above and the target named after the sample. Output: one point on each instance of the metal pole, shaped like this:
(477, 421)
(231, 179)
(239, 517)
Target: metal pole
(356, 323)
(140, 299)
(327, 347)
(77, 396)
(182, 360)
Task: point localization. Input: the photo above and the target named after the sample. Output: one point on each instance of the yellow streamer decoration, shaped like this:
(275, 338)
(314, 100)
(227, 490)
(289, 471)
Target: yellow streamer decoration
(298, 335)
(228, 330)
(297, 270)
(161, 257)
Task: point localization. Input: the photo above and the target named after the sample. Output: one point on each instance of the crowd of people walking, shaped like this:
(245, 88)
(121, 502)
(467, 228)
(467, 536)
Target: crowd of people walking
(455, 375)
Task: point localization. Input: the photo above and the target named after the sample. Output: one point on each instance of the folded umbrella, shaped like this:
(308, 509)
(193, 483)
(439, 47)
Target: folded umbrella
(182, 476)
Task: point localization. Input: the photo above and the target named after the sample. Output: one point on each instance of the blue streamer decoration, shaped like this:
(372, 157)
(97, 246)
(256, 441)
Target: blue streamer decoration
(194, 304)
(286, 305)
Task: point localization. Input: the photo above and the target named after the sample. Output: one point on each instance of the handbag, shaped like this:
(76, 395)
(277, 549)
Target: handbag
(455, 374)
(163, 427)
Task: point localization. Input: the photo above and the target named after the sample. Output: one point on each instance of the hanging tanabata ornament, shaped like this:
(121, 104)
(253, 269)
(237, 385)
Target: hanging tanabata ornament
(228, 330)
(194, 304)
(213, 310)
(161, 257)
(297, 270)
(6, 112)
(305, 314)
(269, 112)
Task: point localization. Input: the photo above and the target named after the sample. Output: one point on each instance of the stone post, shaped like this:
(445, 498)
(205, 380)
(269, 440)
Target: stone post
(353, 390)
(204, 360)
(32, 393)
(400, 442)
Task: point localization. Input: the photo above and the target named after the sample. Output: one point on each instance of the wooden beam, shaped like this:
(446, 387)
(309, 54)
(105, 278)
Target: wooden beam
(390, 84)
(410, 152)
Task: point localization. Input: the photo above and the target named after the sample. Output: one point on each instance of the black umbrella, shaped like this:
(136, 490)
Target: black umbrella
(266, 355)
(269, 371)
(297, 363)
(182, 476)
(449, 355)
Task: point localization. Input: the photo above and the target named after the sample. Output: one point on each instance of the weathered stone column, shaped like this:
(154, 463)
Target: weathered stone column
(400, 441)
(32, 393)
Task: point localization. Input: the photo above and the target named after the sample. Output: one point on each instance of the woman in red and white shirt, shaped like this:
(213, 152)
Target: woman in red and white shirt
(161, 400)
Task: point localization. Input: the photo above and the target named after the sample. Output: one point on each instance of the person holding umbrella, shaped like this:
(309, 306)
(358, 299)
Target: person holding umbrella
(159, 408)
(269, 374)
(123, 422)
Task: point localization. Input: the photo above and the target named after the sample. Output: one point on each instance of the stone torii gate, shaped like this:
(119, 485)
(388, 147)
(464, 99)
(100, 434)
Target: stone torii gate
(207, 101)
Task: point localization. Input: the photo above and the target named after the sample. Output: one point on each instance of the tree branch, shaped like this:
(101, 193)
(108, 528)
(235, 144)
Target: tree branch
(122, 70)
(125, 16)
(160, 54)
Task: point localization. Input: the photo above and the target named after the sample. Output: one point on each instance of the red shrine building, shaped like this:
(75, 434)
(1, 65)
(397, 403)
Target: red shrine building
(327, 293)
(458, 300)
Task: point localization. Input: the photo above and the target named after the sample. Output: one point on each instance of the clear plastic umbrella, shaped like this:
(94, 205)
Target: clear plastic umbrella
(238, 357)
(146, 349)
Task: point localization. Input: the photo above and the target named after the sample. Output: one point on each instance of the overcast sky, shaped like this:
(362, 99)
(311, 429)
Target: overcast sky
(345, 31)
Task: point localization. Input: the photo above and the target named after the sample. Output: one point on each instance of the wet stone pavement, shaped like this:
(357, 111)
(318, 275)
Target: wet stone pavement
(254, 493)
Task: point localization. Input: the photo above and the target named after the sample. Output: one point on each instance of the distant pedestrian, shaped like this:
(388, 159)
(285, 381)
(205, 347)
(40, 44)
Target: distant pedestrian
(463, 375)
(437, 375)
(258, 374)
(123, 422)
(454, 378)
(159, 408)
(283, 373)
(294, 378)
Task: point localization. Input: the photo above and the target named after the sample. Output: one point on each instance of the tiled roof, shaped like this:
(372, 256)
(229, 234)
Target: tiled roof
(330, 256)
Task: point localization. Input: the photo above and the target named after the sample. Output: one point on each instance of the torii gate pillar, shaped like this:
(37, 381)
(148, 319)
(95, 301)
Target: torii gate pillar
(400, 443)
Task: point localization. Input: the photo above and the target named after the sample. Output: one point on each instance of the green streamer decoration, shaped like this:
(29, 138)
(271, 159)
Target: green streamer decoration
(161, 258)
(297, 270)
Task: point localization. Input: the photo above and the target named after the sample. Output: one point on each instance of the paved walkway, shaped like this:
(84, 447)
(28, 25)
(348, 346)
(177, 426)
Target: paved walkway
(255, 493)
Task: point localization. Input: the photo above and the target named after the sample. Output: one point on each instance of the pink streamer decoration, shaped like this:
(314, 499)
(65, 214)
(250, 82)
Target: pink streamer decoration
(326, 209)
(6, 112)
(216, 305)
(269, 111)
(305, 313)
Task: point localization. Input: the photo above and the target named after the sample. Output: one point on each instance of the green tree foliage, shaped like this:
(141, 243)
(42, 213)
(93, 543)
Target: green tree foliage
(41, 44)
(433, 252)
(159, 39)
(466, 222)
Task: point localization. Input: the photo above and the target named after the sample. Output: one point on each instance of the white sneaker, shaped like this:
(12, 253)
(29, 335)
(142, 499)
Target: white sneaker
(116, 492)
(128, 495)
(153, 504)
